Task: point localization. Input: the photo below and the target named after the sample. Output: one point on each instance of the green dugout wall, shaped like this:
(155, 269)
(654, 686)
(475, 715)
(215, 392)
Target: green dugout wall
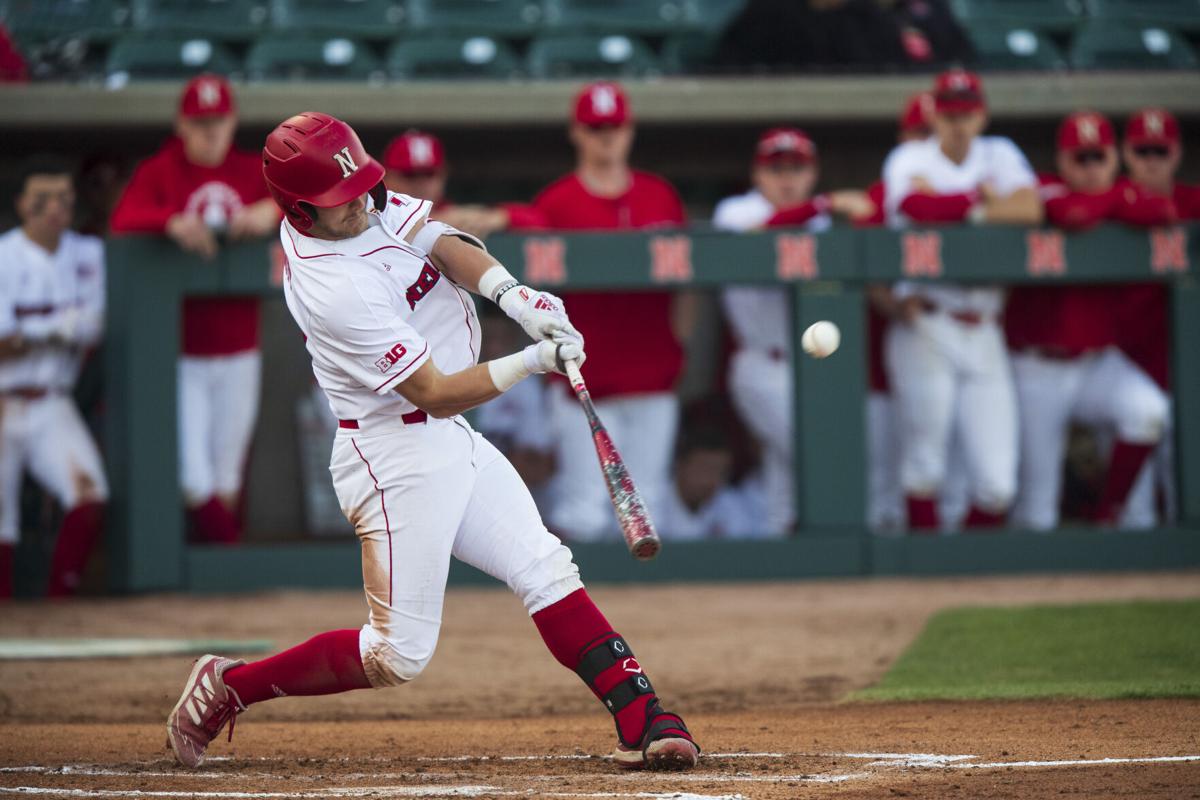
(827, 273)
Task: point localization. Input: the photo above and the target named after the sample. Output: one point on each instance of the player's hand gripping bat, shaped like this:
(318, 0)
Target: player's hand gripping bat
(635, 522)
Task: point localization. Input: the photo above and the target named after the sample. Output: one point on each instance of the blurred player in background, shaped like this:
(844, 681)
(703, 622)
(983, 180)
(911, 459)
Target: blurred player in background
(702, 503)
(784, 173)
(635, 339)
(196, 189)
(1065, 362)
(51, 313)
(1153, 150)
(416, 166)
(946, 356)
(885, 498)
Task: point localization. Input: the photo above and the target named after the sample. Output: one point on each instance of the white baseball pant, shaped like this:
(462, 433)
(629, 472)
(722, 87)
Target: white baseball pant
(953, 377)
(1141, 510)
(643, 429)
(761, 387)
(1101, 389)
(48, 437)
(417, 494)
(218, 406)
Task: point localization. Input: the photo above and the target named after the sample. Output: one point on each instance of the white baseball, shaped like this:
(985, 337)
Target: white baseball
(821, 339)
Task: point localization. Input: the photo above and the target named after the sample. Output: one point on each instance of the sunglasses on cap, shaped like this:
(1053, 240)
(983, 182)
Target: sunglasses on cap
(1152, 151)
(1085, 157)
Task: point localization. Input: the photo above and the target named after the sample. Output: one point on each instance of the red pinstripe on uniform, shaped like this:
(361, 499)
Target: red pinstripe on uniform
(386, 524)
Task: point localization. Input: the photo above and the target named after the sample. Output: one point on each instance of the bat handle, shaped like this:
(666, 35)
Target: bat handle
(573, 373)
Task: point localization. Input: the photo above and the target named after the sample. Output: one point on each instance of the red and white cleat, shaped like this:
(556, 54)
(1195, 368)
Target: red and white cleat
(666, 745)
(203, 709)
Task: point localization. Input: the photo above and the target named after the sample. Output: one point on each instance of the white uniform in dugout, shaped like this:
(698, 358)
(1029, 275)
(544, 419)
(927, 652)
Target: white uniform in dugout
(55, 302)
(373, 309)
(760, 372)
(949, 369)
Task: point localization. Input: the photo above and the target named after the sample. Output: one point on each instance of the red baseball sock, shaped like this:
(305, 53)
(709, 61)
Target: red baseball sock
(80, 529)
(1127, 461)
(922, 514)
(7, 564)
(978, 518)
(214, 523)
(326, 664)
(573, 628)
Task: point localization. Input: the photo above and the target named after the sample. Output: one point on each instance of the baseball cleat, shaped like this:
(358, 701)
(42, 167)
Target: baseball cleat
(666, 745)
(203, 709)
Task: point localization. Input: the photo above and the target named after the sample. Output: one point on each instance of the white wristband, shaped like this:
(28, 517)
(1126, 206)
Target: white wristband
(493, 280)
(508, 371)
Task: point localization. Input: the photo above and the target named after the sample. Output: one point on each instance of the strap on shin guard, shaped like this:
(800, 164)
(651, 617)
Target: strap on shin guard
(613, 673)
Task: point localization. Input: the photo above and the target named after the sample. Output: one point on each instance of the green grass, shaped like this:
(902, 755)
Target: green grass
(1103, 650)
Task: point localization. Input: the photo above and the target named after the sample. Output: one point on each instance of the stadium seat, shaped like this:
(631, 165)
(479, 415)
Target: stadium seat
(168, 57)
(690, 54)
(590, 56)
(460, 57)
(1102, 45)
(40, 20)
(504, 18)
(1180, 15)
(1004, 48)
(648, 17)
(364, 19)
(311, 59)
(1053, 16)
(227, 20)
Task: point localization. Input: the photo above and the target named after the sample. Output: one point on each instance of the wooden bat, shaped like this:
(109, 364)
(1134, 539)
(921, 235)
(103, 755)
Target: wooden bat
(632, 516)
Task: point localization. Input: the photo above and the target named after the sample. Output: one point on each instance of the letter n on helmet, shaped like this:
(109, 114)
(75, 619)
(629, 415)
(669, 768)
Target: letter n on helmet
(316, 159)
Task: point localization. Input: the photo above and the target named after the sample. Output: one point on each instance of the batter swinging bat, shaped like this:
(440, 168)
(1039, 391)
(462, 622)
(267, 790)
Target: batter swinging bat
(635, 522)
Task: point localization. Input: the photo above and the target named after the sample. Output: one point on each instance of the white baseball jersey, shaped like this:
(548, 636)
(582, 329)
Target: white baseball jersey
(992, 160)
(758, 315)
(374, 308)
(44, 294)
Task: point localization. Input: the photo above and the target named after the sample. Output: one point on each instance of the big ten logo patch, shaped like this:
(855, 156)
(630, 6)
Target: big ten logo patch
(670, 259)
(921, 254)
(280, 268)
(391, 358)
(423, 285)
(1168, 250)
(796, 257)
(1045, 253)
(545, 261)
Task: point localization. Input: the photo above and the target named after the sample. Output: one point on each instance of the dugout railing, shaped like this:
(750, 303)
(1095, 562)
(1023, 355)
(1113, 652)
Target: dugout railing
(827, 274)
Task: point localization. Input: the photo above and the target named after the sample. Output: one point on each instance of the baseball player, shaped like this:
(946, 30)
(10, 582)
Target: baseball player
(1064, 359)
(196, 189)
(634, 396)
(1152, 150)
(946, 357)
(381, 295)
(51, 312)
(784, 174)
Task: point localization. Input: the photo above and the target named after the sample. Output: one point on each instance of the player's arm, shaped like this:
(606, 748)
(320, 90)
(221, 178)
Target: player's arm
(441, 395)
(465, 261)
(1021, 207)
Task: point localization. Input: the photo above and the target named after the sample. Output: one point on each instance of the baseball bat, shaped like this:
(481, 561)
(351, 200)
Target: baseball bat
(632, 516)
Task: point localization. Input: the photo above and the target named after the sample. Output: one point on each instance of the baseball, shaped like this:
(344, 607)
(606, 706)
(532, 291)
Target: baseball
(821, 339)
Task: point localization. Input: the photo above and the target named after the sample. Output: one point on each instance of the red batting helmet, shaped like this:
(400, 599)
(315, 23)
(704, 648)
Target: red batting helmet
(316, 159)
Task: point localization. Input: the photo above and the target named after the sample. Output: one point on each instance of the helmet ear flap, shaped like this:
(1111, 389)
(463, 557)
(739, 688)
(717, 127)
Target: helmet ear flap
(303, 216)
(378, 194)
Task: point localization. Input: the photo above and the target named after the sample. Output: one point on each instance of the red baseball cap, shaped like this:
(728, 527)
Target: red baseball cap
(779, 143)
(1085, 130)
(916, 113)
(957, 91)
(414, 152)
(1152, 126)
(207, 95)
(602, 103)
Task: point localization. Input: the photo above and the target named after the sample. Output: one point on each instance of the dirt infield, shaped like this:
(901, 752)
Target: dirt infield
(757, 669)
